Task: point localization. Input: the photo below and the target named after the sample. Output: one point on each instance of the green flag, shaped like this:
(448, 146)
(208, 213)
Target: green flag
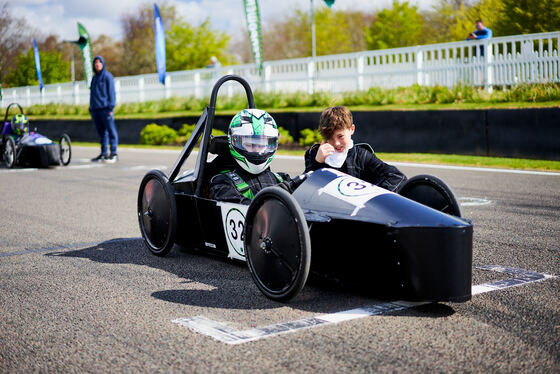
(85, 45)
(329, 2)
(254, 27)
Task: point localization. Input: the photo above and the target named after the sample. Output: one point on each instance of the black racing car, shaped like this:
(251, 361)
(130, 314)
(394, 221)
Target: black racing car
(20, 146)
(412, 245)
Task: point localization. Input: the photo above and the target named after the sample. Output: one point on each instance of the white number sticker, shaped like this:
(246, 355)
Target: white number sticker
(352, 190)
(233, 218)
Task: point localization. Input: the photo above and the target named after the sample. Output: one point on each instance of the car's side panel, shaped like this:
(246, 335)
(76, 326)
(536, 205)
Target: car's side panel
(189, 233)
(213, 236)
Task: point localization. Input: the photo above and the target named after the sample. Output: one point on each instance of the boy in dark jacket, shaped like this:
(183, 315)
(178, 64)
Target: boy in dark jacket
(337, 151)
(101, 104)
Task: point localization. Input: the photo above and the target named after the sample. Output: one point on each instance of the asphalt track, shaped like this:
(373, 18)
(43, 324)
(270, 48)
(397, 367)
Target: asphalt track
(80, 293)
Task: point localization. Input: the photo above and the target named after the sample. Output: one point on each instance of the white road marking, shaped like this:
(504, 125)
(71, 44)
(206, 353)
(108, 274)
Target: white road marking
(18, 170)
(229, 335)
(411, 164)
(146, 167)
(473, 201)
(140, 150)
(87, 166)
(449, 167)
(471, 168)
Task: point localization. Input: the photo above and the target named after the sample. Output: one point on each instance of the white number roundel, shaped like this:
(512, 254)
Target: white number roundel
(235, 223)
(355, 187)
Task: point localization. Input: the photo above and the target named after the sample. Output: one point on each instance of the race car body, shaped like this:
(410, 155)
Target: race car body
(410, 245)
(29, 148)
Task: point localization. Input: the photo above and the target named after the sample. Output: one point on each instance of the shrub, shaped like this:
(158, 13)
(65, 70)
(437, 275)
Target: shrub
(285, 137)
(155, 134)
(309, 137)
(184, 133)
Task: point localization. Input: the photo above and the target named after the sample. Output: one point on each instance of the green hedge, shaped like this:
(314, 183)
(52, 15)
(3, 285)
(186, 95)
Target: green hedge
(309, 137)
(375, 96)
(154, 134)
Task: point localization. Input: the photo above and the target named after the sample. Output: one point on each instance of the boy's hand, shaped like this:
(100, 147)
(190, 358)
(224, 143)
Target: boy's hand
(325, 150)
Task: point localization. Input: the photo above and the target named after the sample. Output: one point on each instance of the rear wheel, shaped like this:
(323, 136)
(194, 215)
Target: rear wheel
(9, 152)
(65, 149)
(157, 212)
(277, 244)
(433, 192)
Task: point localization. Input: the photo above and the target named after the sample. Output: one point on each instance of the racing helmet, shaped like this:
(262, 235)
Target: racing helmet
(253, 139)
(19, 124)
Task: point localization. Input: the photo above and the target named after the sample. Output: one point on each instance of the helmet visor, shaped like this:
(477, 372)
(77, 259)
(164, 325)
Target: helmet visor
(255, 144)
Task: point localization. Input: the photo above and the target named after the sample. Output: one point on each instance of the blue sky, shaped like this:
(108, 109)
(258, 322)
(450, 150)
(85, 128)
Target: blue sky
(103, 16)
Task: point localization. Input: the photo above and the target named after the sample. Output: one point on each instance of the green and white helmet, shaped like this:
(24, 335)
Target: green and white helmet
(253, 139)
(19, 124)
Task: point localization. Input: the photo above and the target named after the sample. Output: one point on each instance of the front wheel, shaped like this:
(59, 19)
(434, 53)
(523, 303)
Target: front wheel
(277, 244)
(157, 212)
(9, 153)
(65, 149)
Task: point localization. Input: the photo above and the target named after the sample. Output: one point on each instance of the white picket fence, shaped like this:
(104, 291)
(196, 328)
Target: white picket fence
(501, 61)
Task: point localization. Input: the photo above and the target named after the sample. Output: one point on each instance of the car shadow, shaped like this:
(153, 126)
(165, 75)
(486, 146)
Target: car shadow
(228, 284)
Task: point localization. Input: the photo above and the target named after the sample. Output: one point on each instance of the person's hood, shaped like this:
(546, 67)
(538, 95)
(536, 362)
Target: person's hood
(102, 61)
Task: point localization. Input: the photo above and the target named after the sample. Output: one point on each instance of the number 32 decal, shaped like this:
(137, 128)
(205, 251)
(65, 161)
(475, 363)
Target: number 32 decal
(234, 227)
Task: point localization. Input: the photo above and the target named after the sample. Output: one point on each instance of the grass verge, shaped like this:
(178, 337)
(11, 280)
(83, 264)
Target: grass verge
(423, 158)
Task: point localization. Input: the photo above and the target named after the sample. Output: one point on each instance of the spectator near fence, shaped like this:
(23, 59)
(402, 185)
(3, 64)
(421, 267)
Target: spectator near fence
(101, 105)
(481, 32)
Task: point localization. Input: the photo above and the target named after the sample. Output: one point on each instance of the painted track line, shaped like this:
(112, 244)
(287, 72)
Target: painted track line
(472, 168)
(226, 334)
(410, 164)
(450, 167)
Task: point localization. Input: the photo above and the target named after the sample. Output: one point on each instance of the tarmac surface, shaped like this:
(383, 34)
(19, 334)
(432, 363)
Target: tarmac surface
(79, 292)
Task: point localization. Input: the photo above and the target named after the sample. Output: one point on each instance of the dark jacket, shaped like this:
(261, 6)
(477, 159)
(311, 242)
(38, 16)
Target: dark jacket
(361, 163)
(102, 91)
(223, 188)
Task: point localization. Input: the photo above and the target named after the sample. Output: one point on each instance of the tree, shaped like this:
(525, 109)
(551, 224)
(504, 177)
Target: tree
(528, 16)
(138, 38)
(400, 26)
(112, 53)
(290, 37)
(190, 47)
(15, 33)
(466, 16)
(338, 31)
(53, 69)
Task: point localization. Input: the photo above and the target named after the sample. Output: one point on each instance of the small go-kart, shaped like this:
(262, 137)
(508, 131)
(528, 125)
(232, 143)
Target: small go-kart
(412, 244)
(31, 148)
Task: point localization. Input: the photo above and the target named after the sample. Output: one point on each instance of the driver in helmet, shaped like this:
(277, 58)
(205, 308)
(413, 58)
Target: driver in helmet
(253, 140)
(19, 125)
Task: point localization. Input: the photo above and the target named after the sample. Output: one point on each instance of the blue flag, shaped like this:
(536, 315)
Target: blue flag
(38, 64)
(160, 44)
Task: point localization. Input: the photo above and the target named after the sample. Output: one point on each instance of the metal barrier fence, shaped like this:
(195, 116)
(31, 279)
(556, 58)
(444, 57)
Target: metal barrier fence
(501, 61)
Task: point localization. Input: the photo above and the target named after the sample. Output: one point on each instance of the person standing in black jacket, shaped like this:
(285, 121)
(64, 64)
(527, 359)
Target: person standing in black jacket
(337, 151)
(102, 102)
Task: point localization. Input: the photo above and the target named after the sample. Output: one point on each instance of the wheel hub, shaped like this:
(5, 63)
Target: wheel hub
(266, 245)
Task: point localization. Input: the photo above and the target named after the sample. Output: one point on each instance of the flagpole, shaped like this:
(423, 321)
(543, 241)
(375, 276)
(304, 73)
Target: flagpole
(313, 45)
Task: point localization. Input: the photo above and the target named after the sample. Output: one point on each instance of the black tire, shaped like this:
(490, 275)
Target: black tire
(431, 191)
(277, 244)
(9, 152)
(157, 212)
(65, 149)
